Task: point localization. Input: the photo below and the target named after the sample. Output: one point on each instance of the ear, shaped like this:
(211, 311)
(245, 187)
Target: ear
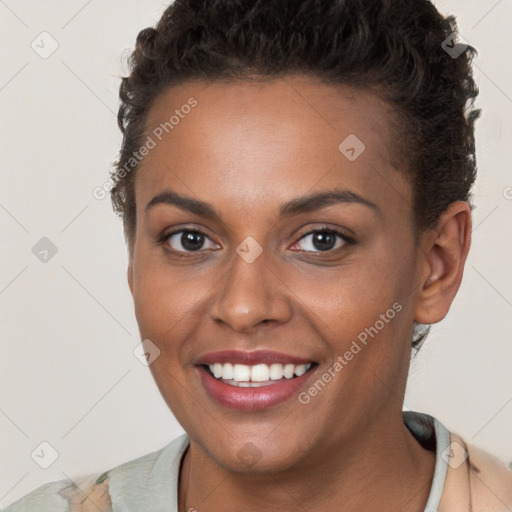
(443, 255)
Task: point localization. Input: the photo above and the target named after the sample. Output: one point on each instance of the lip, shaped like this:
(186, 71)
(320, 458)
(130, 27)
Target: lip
(252, 399)
(251, 358)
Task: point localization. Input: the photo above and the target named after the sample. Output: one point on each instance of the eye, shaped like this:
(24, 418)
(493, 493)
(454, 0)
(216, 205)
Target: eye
(187, 240)
(319, 240)
(323, 240)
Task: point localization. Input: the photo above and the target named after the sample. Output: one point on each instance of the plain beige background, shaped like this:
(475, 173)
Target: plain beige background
(68, 375)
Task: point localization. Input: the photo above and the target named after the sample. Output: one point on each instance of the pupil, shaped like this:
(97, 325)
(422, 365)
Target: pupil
(192, 240)
(324, 240)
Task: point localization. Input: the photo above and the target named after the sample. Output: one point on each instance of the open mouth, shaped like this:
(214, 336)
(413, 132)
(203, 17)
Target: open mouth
(258, 375)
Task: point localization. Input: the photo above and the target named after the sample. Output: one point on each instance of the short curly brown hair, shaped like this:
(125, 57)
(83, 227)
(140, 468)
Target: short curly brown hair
(398, 49)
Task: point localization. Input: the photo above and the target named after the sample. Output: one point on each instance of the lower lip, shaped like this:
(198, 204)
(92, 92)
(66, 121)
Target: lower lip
(251, 399)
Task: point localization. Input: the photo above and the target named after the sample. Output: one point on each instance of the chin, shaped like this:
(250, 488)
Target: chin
(252, 455)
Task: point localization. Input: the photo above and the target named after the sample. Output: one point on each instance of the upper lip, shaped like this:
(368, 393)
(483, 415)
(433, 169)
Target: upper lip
(251, 358)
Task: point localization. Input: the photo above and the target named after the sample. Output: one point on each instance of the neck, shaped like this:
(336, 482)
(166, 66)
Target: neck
(382, 470)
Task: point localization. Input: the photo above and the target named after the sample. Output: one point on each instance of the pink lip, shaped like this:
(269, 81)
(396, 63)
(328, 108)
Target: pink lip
(251, 399)
(251, 358)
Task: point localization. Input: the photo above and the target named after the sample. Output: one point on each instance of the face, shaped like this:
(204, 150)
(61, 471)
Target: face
(276, 280)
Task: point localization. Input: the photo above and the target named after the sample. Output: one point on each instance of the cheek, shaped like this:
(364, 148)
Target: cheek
(364, 309)
(161, 308)
(353, 297)
(162, 296)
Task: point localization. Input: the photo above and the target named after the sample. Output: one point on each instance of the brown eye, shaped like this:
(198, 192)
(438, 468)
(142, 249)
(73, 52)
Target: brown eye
(323, 240)
(187, 240)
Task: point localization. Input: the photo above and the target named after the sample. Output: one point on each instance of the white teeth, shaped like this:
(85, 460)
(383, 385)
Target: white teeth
(288, 370)
(250, 384)
(244, 374)
(241, 372)
(227, 371)
(217, 370)
(276, 371)
(300, 370)
(260, 373)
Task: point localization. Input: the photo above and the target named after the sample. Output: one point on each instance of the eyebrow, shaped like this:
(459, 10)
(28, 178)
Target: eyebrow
(303, 204)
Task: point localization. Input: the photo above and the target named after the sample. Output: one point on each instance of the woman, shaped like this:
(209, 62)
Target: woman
(294, 183)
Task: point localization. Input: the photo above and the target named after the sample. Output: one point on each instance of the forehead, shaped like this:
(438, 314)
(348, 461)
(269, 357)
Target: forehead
(265, 140)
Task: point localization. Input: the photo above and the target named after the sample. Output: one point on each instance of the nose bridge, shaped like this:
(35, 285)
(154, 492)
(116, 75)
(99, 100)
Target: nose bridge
(250, 291)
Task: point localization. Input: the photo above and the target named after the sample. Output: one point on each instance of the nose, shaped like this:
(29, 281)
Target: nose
(251, 294)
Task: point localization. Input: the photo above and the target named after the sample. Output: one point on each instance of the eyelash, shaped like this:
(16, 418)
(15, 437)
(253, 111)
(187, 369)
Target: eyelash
(346, 239)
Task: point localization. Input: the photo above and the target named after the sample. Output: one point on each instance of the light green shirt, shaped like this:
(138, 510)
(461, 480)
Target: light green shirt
(150, 482)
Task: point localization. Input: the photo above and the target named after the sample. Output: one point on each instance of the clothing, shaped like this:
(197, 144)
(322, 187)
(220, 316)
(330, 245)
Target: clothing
(477, 483)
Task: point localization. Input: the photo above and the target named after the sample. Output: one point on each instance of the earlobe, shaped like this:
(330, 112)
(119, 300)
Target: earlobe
(444, 251)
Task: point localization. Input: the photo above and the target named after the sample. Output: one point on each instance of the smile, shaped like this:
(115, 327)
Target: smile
(242, 375)
(252, 381)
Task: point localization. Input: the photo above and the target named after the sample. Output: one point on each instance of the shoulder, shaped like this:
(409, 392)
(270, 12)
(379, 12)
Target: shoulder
(476, 478)
(84, 494)
(95, 493)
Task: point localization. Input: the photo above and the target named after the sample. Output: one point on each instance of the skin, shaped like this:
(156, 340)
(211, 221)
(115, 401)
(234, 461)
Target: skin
(247, 148)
